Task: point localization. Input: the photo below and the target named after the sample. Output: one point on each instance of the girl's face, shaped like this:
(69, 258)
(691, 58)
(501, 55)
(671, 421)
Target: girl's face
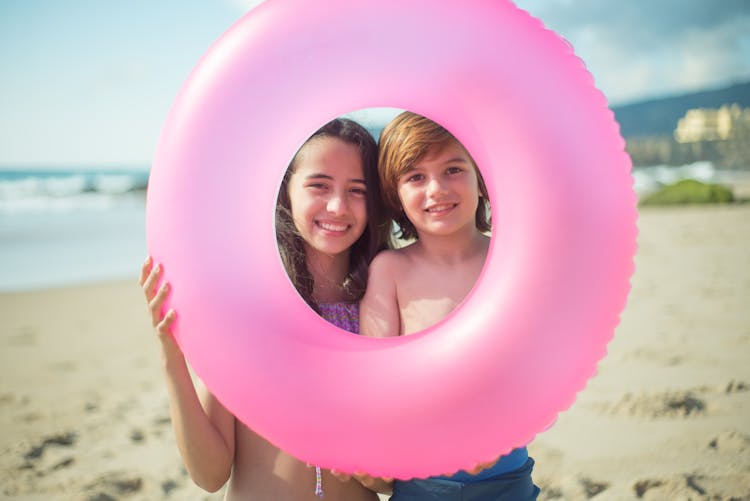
(328, 195)
(440, 193)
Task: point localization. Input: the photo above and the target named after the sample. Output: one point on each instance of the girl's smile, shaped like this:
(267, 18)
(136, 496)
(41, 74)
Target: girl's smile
(333, 228)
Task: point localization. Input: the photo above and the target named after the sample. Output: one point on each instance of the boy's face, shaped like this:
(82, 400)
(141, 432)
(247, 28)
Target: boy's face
(440, 194)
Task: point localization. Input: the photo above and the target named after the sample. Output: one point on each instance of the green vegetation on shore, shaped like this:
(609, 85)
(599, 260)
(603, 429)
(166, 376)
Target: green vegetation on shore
(689, 191)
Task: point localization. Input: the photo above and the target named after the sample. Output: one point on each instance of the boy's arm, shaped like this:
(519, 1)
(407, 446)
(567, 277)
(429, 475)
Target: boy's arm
(379, 314)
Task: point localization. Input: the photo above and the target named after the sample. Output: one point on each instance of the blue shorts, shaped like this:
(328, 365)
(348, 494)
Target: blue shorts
(514, 485)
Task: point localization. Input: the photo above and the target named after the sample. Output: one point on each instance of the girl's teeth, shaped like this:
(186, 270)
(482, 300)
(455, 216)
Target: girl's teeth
(439, 208)
(332, 227)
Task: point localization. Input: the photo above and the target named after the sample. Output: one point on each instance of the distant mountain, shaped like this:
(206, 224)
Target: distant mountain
(658, 117)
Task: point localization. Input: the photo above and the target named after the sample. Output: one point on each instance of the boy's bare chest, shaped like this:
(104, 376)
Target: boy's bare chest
(427, 298)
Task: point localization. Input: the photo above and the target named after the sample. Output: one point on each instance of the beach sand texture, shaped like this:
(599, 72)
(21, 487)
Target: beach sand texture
(84, 412)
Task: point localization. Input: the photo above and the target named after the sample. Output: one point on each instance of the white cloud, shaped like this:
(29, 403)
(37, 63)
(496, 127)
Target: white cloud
(640, 49)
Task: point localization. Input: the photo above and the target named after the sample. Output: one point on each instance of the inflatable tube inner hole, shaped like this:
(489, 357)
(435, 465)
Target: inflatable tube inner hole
(330, 195)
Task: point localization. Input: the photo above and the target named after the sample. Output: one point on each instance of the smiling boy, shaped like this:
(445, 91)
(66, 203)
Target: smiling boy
(435, 194)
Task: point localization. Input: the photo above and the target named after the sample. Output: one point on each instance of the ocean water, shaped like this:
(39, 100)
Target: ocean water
(62, 227)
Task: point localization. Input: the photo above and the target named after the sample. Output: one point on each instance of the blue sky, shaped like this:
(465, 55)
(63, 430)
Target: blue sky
(90, 82)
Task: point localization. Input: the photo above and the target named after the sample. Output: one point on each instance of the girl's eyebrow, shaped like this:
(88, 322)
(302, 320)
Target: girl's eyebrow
(319, 176)
(330, 178)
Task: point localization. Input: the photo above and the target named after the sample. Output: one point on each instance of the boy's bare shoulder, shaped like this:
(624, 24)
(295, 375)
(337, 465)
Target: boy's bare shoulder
(392, 259)
(387, 259)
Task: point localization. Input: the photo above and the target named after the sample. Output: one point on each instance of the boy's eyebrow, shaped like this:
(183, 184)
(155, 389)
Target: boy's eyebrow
(449, 161)
(320, 175)
(457, 159)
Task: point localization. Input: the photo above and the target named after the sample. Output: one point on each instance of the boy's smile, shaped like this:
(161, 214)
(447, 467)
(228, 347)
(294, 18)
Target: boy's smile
(440, 208)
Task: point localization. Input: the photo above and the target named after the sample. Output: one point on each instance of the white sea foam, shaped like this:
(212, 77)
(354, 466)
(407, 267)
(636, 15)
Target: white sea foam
(650, 179)
(56, 191)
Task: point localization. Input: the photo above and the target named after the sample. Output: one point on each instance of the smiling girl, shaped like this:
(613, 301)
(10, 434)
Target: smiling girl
(328, 230)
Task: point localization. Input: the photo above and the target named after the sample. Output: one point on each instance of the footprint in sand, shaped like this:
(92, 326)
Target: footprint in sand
(667, 404)
(65, 463)
(550, 492)
(571, 488)
(137, 436)
(643, 486)
(32, 459)
(591, 487)
(736, 387)
(113, 486)
(684, 487)
(168, 486)
(62, 440)
(730, 441)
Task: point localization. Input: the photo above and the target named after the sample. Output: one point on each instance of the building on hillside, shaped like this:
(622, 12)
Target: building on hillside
(706, 124)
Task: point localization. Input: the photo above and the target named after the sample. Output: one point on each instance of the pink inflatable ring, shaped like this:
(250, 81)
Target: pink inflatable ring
(514, 355)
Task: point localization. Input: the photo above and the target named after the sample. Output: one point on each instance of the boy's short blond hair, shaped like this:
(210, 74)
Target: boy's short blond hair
(406, 140)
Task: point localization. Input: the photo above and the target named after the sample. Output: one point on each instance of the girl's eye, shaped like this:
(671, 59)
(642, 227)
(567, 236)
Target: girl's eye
(414, 178)
(454, 170)
(317, 186)
(359, 191)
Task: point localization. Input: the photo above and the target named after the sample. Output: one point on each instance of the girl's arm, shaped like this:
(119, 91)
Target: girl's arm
(379, 314)
(204, 429)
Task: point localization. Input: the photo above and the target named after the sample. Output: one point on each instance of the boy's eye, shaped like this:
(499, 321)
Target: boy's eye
(359, 191)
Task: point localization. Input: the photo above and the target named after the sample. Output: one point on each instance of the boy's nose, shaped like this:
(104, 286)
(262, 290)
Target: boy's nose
(434, 186)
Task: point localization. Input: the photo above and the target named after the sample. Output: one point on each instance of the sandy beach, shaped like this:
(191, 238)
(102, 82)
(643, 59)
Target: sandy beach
(84, 412)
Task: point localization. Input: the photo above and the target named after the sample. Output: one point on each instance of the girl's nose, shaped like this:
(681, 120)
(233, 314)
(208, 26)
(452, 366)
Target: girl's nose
(336, 204)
